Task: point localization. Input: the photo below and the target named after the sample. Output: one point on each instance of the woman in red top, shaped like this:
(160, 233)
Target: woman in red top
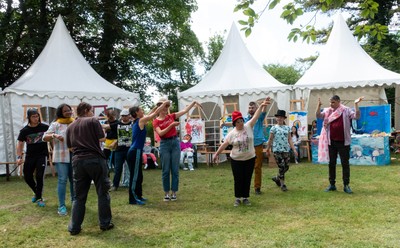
(164, 125)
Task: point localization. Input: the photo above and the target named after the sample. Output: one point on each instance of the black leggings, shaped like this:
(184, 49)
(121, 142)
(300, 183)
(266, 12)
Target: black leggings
(32, 164)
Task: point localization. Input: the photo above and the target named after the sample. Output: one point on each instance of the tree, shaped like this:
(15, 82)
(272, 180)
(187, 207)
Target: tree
(286, 74)
(369, 17)
(214, 48)
(132, 44)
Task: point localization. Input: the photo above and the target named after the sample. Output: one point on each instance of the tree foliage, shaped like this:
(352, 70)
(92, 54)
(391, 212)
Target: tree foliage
(369, 18)
(214, 48)
(286, 74)
(133, 44)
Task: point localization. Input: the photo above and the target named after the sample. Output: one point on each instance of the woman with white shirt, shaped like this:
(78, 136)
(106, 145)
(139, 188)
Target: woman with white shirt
(242, 154)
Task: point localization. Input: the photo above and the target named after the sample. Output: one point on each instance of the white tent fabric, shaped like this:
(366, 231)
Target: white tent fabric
(345, 69)
(236, 73)
(61, 71)
(343, 63)
(59, 75)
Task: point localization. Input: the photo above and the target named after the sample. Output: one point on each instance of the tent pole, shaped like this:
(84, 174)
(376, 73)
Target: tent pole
(3, 123)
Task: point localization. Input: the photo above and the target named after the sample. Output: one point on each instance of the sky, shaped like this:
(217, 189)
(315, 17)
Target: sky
(268, 41)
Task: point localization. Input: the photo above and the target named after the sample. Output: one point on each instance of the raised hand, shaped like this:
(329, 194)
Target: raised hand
(358, 100)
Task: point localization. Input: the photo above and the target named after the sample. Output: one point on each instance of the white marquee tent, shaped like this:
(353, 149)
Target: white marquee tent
(345, 69)
(236, 77)
(59, 75)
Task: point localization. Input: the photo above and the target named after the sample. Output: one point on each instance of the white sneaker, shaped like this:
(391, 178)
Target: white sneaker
(145, 166)
(155, 163)
(184, 168)
(296, 162)
(191, 169)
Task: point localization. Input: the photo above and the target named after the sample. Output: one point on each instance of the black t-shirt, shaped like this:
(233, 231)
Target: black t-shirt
(32, 136)
(83, 137)
(112, 132)
(124, 131)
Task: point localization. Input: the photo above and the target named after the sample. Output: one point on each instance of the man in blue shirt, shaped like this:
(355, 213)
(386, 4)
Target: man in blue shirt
(258, 144)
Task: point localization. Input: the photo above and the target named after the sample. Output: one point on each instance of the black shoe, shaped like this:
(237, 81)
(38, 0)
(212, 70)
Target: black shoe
(331, 187)
(347, 189)
(258, 191)
(277, 181)
(105, 228)
(284, 188)
(74, 232)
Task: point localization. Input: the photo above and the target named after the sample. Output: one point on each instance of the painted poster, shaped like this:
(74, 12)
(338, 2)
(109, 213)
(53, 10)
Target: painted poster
(196, 129)
(373, 118)
(364, 150)
(299, 119)
(226, 126)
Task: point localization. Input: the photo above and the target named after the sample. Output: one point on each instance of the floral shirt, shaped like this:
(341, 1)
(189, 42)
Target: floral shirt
(280, 143)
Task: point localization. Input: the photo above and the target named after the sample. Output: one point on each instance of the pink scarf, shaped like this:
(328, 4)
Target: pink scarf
(330, 115)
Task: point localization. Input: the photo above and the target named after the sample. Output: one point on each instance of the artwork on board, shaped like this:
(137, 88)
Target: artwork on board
(299, 119)
(373, 118)
(226, 126)
(196, 129)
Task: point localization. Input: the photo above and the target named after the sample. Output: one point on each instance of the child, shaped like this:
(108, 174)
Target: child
(296, 142)
(313, 128)
(147, 152)
(281, 143)
(186, 151)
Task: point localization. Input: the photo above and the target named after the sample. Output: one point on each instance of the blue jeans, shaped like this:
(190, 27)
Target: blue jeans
(64, 173)
(119, 159)
(170, 154)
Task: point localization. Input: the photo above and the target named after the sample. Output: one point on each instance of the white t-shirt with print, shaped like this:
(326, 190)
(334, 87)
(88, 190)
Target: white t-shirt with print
(242, 142)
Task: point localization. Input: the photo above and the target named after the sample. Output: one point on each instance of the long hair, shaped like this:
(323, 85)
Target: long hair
(59, 111)
(295, 133)
(82, 108)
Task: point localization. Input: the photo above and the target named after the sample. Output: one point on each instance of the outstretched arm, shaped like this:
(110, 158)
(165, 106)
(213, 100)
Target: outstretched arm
(318, 113)
(220, 149)
(153, 113)
(356, 102)
(185, 110)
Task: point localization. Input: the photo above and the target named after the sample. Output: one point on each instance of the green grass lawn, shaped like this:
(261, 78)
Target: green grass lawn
(204, 216)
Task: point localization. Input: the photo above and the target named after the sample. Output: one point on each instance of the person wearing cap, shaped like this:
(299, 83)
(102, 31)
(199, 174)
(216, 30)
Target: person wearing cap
(335, 138)
(61, 154)
(135, 151)
(89, 164)
(281, 142)
(242, 155)
(124, 141)
(259, 139)
(36, 154)
(164, 125)
(110, 144)
(186, 152)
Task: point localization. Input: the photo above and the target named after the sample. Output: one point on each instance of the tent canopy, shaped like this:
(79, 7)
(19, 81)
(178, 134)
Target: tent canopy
(61, 71)
(235, 72)
(59, 75)
(343, 63)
